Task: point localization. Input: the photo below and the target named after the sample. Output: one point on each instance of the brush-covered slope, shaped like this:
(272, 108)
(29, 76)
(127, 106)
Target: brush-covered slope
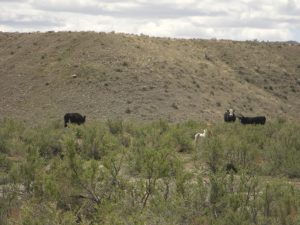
(44, 75)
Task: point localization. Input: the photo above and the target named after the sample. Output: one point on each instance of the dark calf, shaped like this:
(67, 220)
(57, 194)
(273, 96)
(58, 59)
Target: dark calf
(230, 167)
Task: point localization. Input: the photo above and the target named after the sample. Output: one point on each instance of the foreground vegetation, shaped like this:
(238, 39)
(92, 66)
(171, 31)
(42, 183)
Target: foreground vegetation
(121, 172)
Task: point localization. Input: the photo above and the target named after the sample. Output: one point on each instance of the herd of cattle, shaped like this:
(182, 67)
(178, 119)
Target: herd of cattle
(229, 116)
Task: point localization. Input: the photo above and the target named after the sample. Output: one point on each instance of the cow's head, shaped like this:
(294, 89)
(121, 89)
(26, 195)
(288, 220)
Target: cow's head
(231, 112)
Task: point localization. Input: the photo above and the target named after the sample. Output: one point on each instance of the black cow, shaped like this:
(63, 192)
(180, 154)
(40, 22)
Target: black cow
(229, 115)
(230, 167)
(252, 120)
(74, 118)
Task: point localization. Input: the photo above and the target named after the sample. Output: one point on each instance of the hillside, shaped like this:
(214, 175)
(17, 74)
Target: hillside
(104, 75)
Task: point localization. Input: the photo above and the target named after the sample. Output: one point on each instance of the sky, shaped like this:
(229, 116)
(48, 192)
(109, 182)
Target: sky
(263, 20)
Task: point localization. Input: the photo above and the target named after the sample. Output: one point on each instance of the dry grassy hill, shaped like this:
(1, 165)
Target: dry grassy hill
(103, 75)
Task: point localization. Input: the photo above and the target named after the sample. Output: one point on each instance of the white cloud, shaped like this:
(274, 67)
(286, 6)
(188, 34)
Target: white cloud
(229, 19)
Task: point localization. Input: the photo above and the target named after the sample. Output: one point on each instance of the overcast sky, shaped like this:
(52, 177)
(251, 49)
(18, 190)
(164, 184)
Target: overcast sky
(273, 20)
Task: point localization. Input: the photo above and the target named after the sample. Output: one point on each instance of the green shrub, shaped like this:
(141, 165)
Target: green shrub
(180, 138)
(115, 126)
(121, 172)
(284, 151)
(10, 135)
(5, 164)
(46, 140)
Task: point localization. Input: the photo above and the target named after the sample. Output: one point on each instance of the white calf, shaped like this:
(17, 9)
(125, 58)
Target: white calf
(200, 136)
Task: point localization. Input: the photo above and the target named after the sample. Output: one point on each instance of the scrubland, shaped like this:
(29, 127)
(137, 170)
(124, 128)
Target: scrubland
(127, 172)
